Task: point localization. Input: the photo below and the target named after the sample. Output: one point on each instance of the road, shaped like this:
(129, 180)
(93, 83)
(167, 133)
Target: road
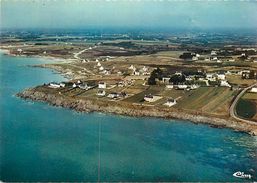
(76, 56)
(232, 109)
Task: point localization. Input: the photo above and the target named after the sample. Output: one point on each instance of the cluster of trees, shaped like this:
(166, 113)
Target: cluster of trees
(156, 74)
(177, 78)
(187, 56)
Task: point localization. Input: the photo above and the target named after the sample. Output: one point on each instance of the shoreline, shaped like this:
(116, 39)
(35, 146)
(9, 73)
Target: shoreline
(92, 105)
(123, 108)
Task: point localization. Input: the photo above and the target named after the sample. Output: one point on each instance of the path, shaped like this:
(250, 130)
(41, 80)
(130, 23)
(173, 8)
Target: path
(232, 109)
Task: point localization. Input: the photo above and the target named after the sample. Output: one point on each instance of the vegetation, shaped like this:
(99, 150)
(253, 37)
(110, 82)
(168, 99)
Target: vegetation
(246, 108)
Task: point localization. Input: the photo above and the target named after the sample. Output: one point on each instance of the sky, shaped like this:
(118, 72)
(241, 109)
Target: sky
(207, 14)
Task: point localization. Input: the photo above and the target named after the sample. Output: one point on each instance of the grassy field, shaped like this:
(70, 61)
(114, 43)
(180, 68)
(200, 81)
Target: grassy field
(246, 108)
(234, 79)
(252, 103)
(215, 100)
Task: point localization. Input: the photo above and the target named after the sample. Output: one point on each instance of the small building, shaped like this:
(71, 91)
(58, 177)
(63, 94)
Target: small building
(113, 95)
(194, 58)
(101, 68)
(171, 102)
(194, 86)
(225, 83)
(151, 98)
(84, 86)
(253, 90)
(62, 84)
(165, 79)
(136, 73)
(54, 85)
(221, 76)
(169, 86)
(213, 52)
(101, 93)
(181, 86)
(101, 85)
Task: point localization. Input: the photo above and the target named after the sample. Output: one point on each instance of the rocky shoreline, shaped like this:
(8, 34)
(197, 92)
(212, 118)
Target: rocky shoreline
(123, 108)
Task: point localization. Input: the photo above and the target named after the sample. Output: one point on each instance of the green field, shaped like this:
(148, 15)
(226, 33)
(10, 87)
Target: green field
(246, 108)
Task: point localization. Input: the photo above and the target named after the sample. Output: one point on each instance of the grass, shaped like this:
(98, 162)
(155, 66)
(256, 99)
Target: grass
(137, 98)
(246, 108)
(207, 99)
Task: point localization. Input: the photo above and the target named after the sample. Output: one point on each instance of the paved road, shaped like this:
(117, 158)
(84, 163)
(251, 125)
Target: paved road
(232, 110)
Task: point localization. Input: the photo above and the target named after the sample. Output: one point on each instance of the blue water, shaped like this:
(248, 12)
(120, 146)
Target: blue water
(44, 143)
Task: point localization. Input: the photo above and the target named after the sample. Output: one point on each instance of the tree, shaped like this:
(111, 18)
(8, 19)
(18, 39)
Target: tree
(177, 78)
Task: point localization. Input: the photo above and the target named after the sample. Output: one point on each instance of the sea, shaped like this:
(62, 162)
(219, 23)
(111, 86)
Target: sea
(39, 142)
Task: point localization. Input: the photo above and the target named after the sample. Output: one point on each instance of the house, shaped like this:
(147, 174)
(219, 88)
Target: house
(181, 86)
(132, 67)
(101, 85)
(149, 98)
(171, 102)
(101, 68)
(54, 85)
(221, 76)
(121, 84)
(194, 86)
(194, 58)
(215, 59)
(254, 90)
(136, 73)
(225, 83)
(213, 52)
(101, 93)
(113, 95)
(84, 86)
(169, 86)
(165, 79)
(189, 78)
(62, 84)
(74, 85)
(99, 64)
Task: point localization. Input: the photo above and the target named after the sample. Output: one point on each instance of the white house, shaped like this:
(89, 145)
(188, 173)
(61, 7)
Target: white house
(194, 86)
(213, 52)
(225, 83)
(169, 86)
(194, 58)
(151, 98)
(99, 64)
(84, 86)
(182, 86)
(62, 84)
(221, 76)
(113, 95)
(136, 73)
(101, 93)
(165, 79)
(171, 102)
(254, 90)
(101, 68)
(54, 85)
(101, 85)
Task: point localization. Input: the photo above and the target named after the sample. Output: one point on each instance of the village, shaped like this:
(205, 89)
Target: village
(163, 74)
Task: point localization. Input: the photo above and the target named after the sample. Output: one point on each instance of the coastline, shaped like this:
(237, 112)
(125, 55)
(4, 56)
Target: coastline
(123, 108)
